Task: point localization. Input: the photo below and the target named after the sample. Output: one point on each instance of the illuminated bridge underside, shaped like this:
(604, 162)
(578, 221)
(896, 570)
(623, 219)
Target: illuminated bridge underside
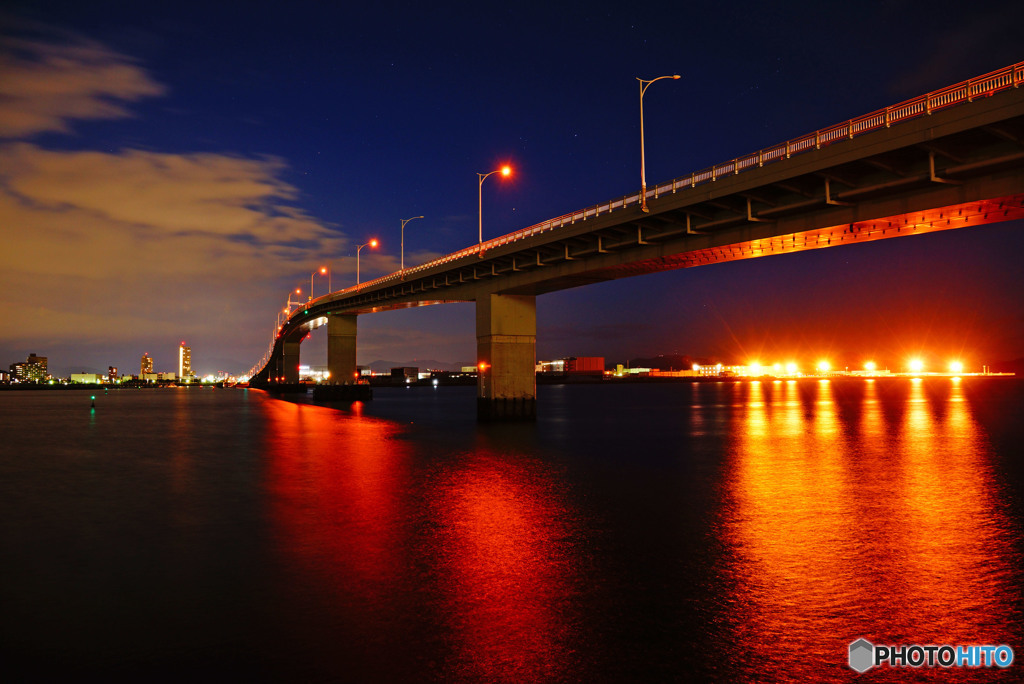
(943, 218)
(940, 165)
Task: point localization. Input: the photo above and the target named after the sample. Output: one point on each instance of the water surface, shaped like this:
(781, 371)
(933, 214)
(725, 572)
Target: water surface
(733, 531)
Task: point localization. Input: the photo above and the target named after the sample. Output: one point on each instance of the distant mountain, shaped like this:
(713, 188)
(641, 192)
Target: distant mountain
(422, 364)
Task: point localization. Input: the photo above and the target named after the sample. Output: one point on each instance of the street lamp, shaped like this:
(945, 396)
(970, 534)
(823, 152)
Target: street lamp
(505, 171)
(643, 179)
(371, 243)
(322, 271)
(404, 221)
(288, 310)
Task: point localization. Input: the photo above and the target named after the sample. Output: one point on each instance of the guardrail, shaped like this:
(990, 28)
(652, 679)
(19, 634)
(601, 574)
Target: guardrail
(923, 105)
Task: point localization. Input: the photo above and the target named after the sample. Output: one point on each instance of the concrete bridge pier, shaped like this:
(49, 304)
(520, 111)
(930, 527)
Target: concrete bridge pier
(506, 343)
(341, 349)
(290, 362)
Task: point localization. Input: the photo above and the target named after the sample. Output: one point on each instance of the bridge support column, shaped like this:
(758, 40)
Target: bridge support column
(341, 349)
(290, 362)
(506, 343)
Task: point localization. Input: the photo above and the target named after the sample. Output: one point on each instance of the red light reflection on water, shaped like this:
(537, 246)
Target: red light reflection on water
(874, 515)
(336, 500)
(505, 545)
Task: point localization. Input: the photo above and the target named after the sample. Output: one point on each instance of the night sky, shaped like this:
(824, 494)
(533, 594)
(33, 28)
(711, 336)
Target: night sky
(169, 171)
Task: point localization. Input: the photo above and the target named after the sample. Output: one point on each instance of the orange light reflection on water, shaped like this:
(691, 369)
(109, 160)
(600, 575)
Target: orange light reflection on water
(899, 540)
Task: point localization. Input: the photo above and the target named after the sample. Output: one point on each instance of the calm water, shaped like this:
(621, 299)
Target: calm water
(738, 531)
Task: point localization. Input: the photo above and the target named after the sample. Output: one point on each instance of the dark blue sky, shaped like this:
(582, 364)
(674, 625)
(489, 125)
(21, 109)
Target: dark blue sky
(347, 120)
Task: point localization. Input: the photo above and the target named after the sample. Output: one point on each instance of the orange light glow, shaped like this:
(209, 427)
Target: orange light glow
(824, 366)
(373, 242)
(298, 290)
(506, 170)
(791, 368)
(916, 365)
(870, 366)
(956, 367)
(483, 366)
(323, 269)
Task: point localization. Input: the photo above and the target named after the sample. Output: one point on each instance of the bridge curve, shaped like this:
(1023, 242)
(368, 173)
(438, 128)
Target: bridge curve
(948, 159)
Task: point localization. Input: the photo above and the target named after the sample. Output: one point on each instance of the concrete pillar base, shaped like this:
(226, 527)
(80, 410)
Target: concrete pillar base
(506, 339)
(341, 349)
(291, 362)
(510, 409)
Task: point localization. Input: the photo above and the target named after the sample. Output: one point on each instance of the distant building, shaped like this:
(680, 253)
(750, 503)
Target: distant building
(556, 367)
(405, 374)
(112, 373)
(184, 362)
(146, 368)
(584, 365)
(31, 370)
(573, 365)
(88, 378)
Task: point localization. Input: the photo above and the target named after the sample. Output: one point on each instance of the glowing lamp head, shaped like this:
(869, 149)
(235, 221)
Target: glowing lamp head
(916, 365)
(870, 366)
(373, 242)
(482, 366)
(298, 290)
(506, 170)
(791, 367)
(956, 367)
(824, 366)
(323, 270)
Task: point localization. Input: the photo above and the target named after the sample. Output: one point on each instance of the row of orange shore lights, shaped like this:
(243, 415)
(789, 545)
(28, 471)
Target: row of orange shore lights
(914, 367)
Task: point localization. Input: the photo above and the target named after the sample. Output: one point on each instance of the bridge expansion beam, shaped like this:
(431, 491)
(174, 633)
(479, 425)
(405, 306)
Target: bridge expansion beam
(341, 349)
(506, 343)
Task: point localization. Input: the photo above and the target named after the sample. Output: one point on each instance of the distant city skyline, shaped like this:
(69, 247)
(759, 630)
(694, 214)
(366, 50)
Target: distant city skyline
(177, 175)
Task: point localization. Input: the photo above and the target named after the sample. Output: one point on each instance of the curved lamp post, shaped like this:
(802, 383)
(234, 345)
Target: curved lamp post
(404, 221)
(505, 171)
(643, 179)
(371, 243)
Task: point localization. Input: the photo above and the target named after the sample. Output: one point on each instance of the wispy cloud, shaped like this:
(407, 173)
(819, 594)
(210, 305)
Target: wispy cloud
(159, 235)
(46, 84)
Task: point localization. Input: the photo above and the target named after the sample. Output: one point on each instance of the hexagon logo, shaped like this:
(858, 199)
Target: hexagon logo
(862, 654)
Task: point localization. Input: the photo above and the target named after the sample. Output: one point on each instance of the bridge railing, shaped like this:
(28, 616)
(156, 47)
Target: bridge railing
(923, 105)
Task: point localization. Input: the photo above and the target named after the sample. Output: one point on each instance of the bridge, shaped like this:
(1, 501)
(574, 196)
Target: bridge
(952, 158)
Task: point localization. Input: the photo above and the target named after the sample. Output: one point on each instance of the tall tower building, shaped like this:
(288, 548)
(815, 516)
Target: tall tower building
(147, 365)
(184, 361)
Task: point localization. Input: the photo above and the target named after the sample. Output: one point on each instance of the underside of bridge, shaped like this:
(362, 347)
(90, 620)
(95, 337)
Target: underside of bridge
(954, 168)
